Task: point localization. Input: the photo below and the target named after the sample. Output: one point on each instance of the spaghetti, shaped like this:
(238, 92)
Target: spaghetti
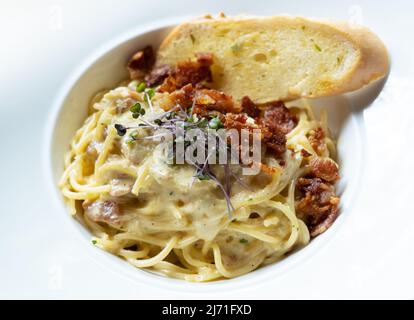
(157, 216)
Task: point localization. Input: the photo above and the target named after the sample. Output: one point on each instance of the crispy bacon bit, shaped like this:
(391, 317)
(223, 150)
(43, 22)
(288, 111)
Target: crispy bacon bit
(205, 102)
(102, 211)
(275, 123)
(236, 121)
(318, 204)
(278, 118)
(183, 97)
(187, 72)
(240, 121)
(249, 107)
(326, 223)
(215, 100)
(275, 141)
(324, 168)
(317, 140)
(140, 63)
(157, 75)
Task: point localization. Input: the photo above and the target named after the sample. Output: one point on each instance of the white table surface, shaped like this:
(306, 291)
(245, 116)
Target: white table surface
(372, 254)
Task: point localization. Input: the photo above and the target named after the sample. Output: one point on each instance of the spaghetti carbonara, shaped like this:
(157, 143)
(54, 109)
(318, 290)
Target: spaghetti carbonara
(165, 218)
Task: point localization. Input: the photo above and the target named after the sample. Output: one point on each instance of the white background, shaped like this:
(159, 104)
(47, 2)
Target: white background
(370, 256)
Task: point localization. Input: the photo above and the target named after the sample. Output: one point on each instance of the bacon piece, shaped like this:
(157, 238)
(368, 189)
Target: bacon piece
(187, 72)
(326, 223)
(276, 142)
(103, 211)
(318, 204)
(157, 75)
(324, 168)
(140, 63)
(272, 135)
(317, 140)
(278, 118)
(215, 100)
(236, 121)
(239, 122)
(275, 123)
(204, 101)
(169, 84)
(183, 97)
(249, 107)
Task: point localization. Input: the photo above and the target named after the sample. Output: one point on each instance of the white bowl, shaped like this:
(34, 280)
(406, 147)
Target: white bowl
(106, 68)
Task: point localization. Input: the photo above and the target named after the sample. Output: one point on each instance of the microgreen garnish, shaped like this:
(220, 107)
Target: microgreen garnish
(215, 123)
(120, 129)
(94, 241)
(244, 241)
(150, 92)
(135, 108)
(141, 87)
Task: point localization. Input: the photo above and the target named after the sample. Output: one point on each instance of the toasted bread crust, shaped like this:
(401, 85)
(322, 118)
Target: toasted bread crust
(281, 57)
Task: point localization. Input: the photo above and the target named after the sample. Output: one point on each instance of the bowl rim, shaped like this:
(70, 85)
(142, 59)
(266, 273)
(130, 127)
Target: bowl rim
(140, 276)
